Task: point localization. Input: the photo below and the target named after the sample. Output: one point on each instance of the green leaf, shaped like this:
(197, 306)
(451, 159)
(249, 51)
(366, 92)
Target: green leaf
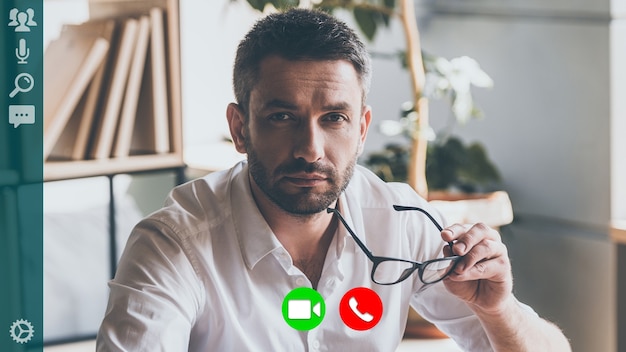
(452, 164)
(258, 5)
(390, 4)
(326, 5)
(366, 20)
(285, 4)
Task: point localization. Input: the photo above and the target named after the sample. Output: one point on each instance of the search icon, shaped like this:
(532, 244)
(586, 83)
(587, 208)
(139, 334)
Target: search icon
(26, 86)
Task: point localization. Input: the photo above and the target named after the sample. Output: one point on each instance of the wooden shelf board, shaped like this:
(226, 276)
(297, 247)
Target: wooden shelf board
(62, 170)
(618, 231)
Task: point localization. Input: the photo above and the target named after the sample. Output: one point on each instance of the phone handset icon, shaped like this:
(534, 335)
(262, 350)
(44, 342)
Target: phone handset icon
(371, 308)
(366, 317)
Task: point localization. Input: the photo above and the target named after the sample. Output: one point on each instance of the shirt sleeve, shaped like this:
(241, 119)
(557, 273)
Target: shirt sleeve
(452, 317)
(154, 296)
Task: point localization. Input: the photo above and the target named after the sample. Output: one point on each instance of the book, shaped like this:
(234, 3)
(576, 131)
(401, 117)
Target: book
(70, 63)
(151, 131)
(104, 132)
(64, 147)
(174, 83)
(105, 29)
(131, 99)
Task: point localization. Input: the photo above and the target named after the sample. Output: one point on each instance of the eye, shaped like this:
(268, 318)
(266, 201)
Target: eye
(279, 117)
(335, 117)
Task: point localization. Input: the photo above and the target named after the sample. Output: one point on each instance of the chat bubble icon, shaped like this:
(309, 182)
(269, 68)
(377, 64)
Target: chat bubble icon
(21, 115)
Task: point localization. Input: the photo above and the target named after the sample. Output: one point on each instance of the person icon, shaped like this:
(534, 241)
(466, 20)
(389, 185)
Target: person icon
(31, 18)
(22, 21)
(13, 17)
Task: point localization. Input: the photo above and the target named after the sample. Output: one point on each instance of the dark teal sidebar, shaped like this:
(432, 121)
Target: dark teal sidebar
(21, 175)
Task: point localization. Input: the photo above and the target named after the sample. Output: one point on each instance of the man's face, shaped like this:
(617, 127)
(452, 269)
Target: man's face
(306, 128)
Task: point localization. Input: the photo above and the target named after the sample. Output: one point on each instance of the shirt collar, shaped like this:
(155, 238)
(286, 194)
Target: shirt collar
(255, 237)
(344, 239)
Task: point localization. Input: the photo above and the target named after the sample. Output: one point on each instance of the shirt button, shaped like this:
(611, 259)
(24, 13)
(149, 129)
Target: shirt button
(300, 281)
(316, 344)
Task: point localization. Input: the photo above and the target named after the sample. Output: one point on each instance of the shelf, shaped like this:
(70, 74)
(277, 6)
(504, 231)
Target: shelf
(618, 231)
(104, 163)
(63, 170)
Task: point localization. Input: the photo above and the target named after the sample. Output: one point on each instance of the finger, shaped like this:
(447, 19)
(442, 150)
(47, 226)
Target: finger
(447, 251)
(475, 263)
(453, 232)
(493, 270)
(466, 237)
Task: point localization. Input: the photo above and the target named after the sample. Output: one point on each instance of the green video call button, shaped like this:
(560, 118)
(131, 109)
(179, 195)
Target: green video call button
(303, 308)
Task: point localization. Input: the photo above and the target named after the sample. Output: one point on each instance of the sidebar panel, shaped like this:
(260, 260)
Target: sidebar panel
(21, 175)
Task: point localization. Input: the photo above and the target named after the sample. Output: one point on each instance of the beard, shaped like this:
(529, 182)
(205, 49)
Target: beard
(306, 201)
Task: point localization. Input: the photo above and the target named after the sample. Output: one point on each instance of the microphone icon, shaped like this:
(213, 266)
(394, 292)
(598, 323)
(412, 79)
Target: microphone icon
(22, 52)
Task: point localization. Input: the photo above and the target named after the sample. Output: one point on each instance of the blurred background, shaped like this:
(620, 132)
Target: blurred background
(553, 125)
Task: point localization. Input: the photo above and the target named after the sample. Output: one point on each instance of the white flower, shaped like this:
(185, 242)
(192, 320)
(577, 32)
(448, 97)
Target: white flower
(463, 106)
(391, 128)
(427, 133)
(465, 71)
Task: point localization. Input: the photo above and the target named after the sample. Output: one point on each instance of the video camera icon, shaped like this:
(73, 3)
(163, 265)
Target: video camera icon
(303, 308)
(300, 309)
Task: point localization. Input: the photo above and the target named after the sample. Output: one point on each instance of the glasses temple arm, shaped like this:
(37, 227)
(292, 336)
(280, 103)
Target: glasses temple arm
(354, 236)
(403, 208)
(430, 217)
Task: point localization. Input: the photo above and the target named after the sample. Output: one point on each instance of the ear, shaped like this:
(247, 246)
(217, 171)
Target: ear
(237, 125)
(366, 119)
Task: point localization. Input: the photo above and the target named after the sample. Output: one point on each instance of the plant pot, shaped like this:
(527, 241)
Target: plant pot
(493, 209)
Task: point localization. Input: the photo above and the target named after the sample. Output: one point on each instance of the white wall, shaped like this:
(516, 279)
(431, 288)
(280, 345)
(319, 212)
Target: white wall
(210, 32)
(548, 115)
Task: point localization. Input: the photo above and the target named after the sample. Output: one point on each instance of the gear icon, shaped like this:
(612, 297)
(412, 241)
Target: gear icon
(22, 331)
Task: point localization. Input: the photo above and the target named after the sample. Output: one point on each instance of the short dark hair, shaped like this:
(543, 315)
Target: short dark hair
(297, 34)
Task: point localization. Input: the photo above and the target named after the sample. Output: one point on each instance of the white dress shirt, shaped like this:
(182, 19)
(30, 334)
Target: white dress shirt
(206, 273)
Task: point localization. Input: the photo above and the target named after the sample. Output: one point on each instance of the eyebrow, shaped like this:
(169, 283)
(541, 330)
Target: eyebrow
(277, 103)
(282, 104)
(337, 106)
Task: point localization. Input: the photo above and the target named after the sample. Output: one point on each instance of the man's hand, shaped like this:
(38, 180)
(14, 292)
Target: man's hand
(483, 277)
(484, 280)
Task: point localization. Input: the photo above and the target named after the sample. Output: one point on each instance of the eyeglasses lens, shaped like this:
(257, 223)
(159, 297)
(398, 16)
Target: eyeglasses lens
(392, 271)
(436, 270)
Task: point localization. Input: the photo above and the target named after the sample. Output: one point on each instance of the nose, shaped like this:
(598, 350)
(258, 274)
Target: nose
(309, 142)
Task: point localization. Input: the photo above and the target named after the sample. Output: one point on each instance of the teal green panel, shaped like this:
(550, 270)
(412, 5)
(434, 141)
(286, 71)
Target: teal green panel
(21, 175)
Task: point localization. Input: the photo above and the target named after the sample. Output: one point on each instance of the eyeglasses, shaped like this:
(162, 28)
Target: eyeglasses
(390, 271)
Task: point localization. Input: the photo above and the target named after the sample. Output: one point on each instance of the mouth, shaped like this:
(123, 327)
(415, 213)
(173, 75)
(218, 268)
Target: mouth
(305, 179)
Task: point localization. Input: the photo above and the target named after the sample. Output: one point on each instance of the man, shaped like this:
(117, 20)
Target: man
(210, 270)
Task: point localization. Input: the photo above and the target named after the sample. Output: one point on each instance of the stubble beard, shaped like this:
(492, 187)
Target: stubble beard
(306, 202)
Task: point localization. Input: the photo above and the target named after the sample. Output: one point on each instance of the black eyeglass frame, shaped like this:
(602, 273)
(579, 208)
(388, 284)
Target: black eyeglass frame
(419, 266)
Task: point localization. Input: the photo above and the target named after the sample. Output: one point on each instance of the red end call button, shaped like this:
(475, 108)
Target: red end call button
(361, 308)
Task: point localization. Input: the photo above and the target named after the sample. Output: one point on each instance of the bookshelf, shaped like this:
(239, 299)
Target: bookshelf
(148, 92)
(152, 97)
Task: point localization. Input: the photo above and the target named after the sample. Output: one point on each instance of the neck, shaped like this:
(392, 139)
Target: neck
(305, 237)
(298, 233)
